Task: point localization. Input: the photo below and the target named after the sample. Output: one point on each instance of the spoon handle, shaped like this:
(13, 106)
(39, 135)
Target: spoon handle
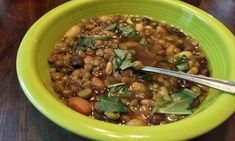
(223, 85)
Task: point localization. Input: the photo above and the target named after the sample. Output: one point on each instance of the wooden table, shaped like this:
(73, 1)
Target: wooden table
(19, 120)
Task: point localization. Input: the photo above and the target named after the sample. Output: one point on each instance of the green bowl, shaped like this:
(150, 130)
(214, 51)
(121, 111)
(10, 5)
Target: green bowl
(217, 42)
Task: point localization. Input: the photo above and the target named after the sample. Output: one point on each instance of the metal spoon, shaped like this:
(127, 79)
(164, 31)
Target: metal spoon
(223, 85)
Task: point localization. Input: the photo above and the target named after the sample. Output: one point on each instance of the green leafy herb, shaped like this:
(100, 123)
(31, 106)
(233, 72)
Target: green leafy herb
(120, 89)
(110, 27)
(84, 41)
(182, 63)
(111, 104)
(127, 31)
(123, 59)
(143, 41)
(180, 103)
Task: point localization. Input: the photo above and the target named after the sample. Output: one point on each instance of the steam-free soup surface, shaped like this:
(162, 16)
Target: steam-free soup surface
(95, 69)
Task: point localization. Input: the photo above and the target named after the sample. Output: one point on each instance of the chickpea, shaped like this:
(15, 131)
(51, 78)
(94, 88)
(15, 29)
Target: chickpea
(196, 89)
(139, 27)
(80, 105)
(137, 86)
(73, 31)
(138, 65)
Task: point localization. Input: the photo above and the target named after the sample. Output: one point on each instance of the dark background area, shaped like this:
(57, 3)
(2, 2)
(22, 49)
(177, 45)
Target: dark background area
(19, 120)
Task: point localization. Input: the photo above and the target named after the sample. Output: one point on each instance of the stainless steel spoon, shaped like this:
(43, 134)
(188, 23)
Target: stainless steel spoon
(223, 85)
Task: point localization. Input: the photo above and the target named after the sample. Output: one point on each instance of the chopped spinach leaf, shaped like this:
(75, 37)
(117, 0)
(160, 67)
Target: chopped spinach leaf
(180, 103)
(120, 89)
(127, 31)
(143, 41)
(85, 41)
(123, 59)
(110, 27)
(182, 63)
(111, 104)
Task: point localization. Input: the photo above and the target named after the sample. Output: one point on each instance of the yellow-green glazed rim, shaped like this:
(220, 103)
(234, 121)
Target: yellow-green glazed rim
(217, 42)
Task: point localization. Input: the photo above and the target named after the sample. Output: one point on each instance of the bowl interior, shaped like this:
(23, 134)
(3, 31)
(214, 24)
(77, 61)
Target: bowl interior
(216, 41)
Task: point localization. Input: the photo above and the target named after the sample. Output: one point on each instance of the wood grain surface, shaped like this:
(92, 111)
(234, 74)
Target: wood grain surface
(19, 120)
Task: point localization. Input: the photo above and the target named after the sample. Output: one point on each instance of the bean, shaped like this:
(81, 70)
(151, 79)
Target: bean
(88, 59)
(77, 73)
(163, 91)
(58, 86)
(170, 50)
(86, 74)
(160, 30)
(100, 52)
(77, 62)
(196, 89)
(88, 67)
(112, 115)
(193, 70)
(67, 92)
(86, 93)
(52, 59)
(125, 117)
(129, 45)
(97, 83)
(147, 102)
(135, 122)
(56, 76)
(139, 27)
(80, 105)
(138, 65)
(145, 110)
(73, 31)
(81, 54)
(177, 50)
(59, 63)
(109, 68)
(137, 86)
(96, 63)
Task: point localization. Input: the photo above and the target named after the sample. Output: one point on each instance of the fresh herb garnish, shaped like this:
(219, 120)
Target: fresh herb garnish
(182, 63)
(88, 41)
(111, 104)
(110, 27)
(180, 103)
(123, 59)
(143, 41)
(127, 32)
(120, 89)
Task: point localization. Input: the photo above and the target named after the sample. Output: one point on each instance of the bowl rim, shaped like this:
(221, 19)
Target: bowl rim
(108, 131)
